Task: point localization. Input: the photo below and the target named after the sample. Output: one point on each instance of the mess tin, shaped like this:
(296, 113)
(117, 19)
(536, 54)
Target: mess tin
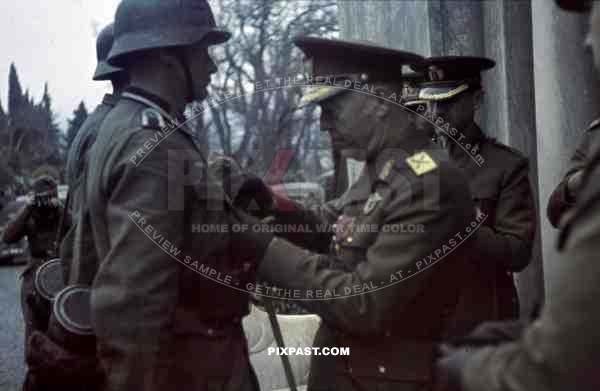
(70, 321)
(48, 282)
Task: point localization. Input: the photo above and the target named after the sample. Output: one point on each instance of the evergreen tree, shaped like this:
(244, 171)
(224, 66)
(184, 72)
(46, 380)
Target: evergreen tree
(79, 116)
(48, 119)
(15, 98)
(3, 118)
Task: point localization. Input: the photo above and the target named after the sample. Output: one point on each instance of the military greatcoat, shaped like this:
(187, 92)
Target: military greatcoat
(159, 323)
(499, 182)
(390, 281)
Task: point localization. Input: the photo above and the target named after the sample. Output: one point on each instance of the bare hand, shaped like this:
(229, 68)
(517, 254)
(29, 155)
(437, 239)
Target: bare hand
(574, 183)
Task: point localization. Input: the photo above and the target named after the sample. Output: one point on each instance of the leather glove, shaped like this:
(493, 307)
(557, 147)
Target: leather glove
(252, 242)
(244, 188)
(491, 333)
(51, 364)
(448, 369)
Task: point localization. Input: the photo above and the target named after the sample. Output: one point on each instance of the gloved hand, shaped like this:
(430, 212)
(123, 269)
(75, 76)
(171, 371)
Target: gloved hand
(252, 242)
(244, 188)
(51, 364)
(448, 369)
(491, 333)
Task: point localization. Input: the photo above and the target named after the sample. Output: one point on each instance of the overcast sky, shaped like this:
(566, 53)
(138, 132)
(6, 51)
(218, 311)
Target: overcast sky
(54, 41)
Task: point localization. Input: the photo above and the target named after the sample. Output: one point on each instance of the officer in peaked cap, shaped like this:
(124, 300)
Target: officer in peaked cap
(445, 78)
(559, 350)
(159, 323)
(499, 183)
(389, 324)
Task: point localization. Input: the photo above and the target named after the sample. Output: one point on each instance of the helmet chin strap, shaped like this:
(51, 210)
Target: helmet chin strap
(188, 76)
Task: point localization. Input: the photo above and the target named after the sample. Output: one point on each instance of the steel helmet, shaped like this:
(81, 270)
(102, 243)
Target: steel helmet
(104, 42)
(153, 24)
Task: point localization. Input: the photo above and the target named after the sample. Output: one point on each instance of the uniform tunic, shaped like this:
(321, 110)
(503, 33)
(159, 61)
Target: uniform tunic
(76, 161)
(391, 278)
(159, 323)
(501, 189)
(560, 202)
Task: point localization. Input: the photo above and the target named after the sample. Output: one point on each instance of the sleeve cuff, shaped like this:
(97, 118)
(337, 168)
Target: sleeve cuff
(281, 264)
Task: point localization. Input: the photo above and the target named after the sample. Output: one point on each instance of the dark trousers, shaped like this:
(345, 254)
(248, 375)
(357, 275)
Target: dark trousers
(34, 317)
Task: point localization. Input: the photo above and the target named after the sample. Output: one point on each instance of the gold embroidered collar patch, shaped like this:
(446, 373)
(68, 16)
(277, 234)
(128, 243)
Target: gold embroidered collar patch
(421, 163)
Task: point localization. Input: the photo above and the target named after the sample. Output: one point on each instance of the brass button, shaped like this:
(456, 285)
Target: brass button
(349, 239)
(381, 369)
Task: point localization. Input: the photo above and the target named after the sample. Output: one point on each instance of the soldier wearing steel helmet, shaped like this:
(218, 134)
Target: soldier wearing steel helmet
(561, 349)
(158, 322)
(84, 139)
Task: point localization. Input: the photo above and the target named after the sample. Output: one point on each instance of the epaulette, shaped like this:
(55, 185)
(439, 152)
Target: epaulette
(152, 118)
(421, 163)
(595, 124)
(507, 148)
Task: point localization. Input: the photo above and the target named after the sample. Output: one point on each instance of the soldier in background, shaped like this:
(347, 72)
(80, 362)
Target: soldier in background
(563, 198)
(561, 349)
(158, 323)
(391, 331)
(39, 221)
(499, 182)
(84, 139)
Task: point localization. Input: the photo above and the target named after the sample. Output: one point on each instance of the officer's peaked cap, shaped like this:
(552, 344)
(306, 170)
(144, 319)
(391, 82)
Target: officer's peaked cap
(350, 60)
(448, 76)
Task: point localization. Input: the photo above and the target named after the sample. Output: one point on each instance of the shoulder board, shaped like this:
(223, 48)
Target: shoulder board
(421, 163)
(595, 124)
(152, 118)
(507, 148)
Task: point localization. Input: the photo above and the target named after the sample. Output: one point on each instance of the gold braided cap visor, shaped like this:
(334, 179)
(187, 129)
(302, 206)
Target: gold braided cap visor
(437, 93)
(342, 83)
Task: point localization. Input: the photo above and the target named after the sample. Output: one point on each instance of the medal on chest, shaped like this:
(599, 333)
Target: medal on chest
(342, 231)
(372, 202)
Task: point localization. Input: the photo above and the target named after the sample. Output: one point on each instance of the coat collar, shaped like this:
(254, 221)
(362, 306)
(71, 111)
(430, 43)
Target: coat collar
(157, 103)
